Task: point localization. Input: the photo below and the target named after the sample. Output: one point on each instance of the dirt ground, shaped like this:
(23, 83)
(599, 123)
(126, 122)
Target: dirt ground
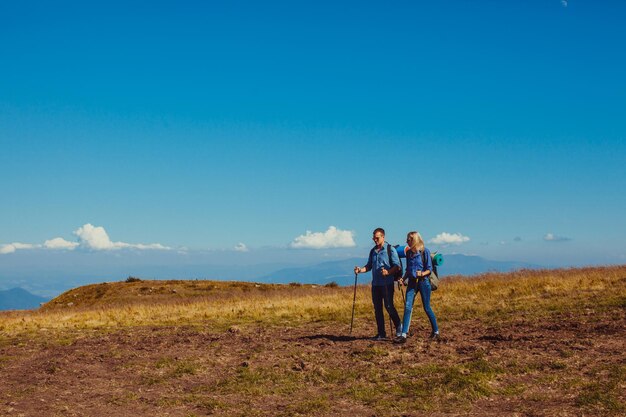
(565, 365)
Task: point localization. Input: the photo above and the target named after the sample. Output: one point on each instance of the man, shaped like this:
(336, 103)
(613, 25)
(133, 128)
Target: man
(383, 270)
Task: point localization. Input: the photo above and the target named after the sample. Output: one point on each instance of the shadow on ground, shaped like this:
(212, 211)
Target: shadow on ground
(333, 337)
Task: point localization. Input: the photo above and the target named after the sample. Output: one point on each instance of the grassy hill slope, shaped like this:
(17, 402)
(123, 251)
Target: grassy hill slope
(143, 292)
(526, 343)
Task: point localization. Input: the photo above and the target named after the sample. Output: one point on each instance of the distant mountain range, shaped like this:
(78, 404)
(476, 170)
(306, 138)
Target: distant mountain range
(341, 271)
(19, 299)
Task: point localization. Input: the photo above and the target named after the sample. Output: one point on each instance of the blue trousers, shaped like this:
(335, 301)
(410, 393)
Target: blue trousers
(380, 294)
(423, 287)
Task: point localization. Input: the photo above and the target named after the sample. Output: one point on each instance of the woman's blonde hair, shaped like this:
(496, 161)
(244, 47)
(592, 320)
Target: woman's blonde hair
(417, 243)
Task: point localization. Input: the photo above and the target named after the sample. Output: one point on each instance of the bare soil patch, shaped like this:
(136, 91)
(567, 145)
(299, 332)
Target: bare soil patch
(565, 364)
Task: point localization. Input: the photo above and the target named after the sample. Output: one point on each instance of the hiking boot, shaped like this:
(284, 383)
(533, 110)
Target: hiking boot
(433, 336)
(378, 338)
(400, 339)
(399, 331)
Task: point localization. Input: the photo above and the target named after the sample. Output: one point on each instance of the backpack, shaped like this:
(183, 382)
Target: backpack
(398, 275)
(437, 260)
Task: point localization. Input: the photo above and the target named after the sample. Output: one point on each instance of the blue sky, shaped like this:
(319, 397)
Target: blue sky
(200, 126)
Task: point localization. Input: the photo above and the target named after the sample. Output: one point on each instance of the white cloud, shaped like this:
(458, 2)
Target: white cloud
(331, 238)
(96, 238)
(59, 243)
(7, 248)
(549, 237)
(142, 246)
(25, 246)
(241, 247)
(449, 239)
(89, 237)
(12, 247)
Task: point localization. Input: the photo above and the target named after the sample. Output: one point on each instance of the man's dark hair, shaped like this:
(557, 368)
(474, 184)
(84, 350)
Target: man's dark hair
(379, 229)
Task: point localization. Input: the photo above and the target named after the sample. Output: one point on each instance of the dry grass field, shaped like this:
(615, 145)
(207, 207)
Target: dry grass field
(529, 343)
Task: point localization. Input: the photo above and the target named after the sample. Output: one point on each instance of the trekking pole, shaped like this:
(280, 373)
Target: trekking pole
(353, 303)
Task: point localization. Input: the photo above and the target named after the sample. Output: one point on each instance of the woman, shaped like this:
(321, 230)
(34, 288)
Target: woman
(418, 267)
